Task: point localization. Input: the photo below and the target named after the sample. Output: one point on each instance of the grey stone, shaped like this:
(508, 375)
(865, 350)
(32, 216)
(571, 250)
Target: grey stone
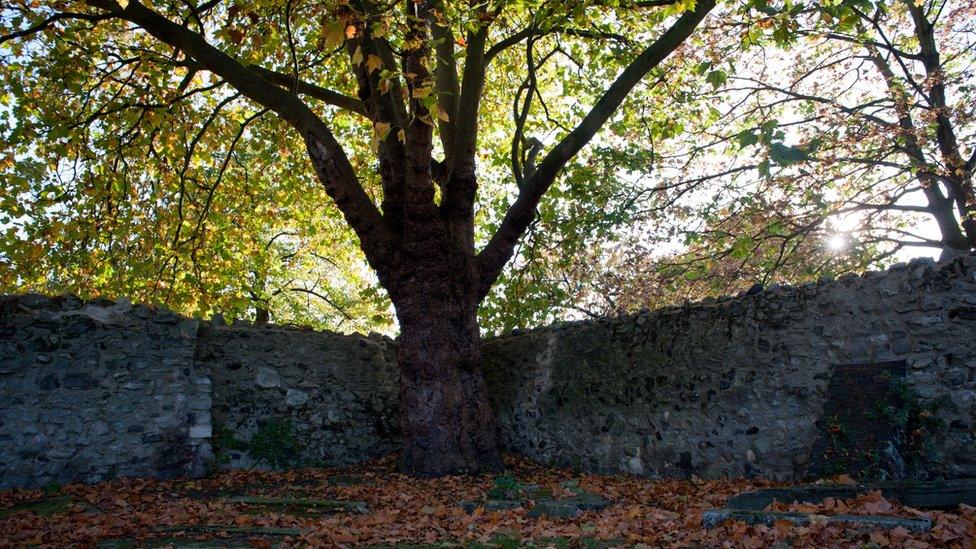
(200, 402)
(955, 376)
(47, 383)
(714, 517)
(294, 397)
(568, 507)
(200, 431)
(918, 494)
(34, 301)
(490, 505)
(268, 378)
(926, 320)
(901, 346)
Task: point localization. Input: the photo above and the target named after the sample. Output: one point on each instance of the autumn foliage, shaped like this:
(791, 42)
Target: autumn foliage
(403, 510)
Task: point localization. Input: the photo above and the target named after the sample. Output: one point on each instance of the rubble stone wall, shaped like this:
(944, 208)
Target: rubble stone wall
(91, 391)
(334, 396)
(726, 387)
(735, 386)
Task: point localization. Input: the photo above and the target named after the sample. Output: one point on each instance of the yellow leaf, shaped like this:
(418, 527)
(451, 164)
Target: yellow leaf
(442, 114)
(373, 63)
(402, 137)
(412, 43)
(357, 56)
(382, 129)
(333, 34)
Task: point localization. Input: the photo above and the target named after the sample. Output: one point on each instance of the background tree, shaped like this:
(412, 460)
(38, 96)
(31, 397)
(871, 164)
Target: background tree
(828, 135)
(147, 109)
(879, 111)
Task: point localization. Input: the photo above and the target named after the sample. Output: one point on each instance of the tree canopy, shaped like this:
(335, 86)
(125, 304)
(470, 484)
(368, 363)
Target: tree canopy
(131, 168)
(134, 168)
(830, 137)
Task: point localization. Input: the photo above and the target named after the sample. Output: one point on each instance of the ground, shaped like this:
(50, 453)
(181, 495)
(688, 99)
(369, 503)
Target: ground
(372, 505)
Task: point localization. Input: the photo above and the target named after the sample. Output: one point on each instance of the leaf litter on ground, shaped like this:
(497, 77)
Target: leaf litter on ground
(405, 511)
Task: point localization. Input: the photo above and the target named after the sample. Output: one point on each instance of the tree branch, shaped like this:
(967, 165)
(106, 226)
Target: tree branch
(63, 16)
(327, 96)
(445, 77)
(323, 298)
(329, 159)
(459, 174)
(499, 249)
(521, 35)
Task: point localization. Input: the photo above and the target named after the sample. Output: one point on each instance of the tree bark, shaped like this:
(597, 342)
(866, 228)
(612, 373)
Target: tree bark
(261, 316)
(446, 421)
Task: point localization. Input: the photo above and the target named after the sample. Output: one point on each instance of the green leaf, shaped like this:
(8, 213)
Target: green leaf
(746, 138)
(785, 155)
(764, 168)
(716, 78)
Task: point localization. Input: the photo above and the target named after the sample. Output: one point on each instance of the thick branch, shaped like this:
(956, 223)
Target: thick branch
(945, 135)
(330, 161)
(385, 105)
(419, 187)
(939, 206)
(460, 178)
(327, 96)
(445, 78)
(472, 83)
(499, 249)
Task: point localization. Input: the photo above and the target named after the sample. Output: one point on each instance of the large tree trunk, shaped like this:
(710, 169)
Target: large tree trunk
(446, 420)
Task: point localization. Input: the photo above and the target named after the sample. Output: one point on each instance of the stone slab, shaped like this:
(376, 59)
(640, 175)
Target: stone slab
(946, 494)
(231, 529)
(714, 517)
(324, 504)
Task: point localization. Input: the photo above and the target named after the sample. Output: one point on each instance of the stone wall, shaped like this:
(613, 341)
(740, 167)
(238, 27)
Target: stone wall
(98, 390)
(335, 394)
(735, 386)
(726, 387)
(102, 389)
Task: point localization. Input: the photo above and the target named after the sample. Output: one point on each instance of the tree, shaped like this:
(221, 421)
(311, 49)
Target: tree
(834, 131)
(881, 105)
(856, 110)
(418, 70)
